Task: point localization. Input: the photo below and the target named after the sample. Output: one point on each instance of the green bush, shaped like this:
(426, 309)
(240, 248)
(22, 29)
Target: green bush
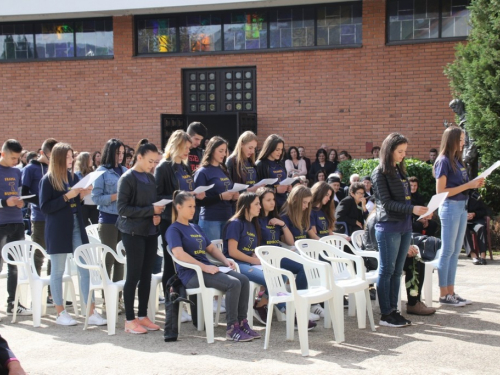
(414, 167)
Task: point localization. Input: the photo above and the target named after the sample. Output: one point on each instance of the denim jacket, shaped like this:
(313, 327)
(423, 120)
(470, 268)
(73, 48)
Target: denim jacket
(106, 185)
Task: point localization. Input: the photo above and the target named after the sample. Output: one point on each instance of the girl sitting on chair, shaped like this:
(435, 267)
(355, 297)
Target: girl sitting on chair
(323, 211)
(190, 244)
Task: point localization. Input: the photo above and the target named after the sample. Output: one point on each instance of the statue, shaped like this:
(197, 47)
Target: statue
(470, 154)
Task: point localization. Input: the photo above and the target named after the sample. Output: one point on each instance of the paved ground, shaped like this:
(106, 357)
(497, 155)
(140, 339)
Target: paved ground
(461, 340)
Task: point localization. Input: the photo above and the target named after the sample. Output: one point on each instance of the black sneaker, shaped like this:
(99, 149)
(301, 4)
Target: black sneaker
(21, 310)
(390, 320)
(310, 325)
(483, 262)
(50, 302)
(346, 302)
(373, 294)
(401, 318)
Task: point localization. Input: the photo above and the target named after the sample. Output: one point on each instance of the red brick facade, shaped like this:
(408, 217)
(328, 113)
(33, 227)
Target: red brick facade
(341, 97)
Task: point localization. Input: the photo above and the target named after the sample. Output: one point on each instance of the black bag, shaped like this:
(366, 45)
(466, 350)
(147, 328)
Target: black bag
(427, 245)
(175, 293)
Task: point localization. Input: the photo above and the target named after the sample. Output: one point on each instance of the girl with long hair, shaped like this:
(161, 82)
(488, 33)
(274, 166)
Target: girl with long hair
(451, 177)
(393, 229)
(216, 206)
(323, 211)
(105, 194)
(96, 160)
(270, 164)
(64, 228)
(190, 244)
(84, 166)
(241, 163)
(294, 164)
(296, 213)
(138, 221)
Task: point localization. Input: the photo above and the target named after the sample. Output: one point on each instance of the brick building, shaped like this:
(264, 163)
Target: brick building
(341, 73)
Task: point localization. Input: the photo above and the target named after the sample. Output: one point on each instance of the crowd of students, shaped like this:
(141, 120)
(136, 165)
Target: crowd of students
(122, 199)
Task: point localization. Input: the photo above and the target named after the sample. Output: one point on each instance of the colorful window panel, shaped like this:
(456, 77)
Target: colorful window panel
(16, 42)
(292, 27)
(455, 18)
(202, 91)
(239, 90)
(157, 35)
(200, 33)
(339, 25)
(94, 37)
(245, 31)
(54, 40)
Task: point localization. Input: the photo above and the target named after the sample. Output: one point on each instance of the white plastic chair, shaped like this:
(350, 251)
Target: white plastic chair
(297, 301)
(429, 269)
(92, 231)
(156, 278)
(340, 241)
(92, 257)
(205, 300)
(344, 281)
(21, 254)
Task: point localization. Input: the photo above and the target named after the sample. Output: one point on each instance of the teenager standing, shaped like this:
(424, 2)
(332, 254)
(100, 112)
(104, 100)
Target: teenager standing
(241, 163)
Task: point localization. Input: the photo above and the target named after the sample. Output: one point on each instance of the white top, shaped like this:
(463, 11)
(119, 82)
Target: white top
(302, 170)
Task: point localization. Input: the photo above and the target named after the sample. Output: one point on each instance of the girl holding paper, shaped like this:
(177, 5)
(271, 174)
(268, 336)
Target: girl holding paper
(64, 227)
(104, 194)
(451, 177)
(83, 166)
(190, 244)
(172, 174)
(216, 206)
(270, 164)
(138, 220)
(241, 163)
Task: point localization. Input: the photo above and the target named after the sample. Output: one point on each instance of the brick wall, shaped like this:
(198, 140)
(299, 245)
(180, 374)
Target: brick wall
(341, 97)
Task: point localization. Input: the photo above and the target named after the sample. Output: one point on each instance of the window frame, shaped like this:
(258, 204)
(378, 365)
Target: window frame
(222, 14)
(439, 39)
(73, 21)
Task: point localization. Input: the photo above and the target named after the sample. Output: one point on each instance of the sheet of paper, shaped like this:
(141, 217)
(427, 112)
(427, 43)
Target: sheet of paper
(88, 180)
(288, 181)
(266, 181)
(238, 187)
(436, 201)
(487, 172)
(201, 189)
(27, 197)
(163, 202)
(225, 269)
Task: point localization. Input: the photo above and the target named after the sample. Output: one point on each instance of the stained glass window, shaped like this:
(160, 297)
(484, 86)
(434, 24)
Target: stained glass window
(157, 35)
(94, 37)
(200, 33)
(245, 31)
(54, 39)
(292, 27)
(419, 19)
(339, 24)
(16, 41)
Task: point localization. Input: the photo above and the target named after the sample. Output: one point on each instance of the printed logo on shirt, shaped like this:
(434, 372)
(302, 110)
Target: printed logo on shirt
(200, 250)
(189, 181)
(226, 181)
(273, 240)
(194, 161)
(251, 239)
(12, 185)
(250, 180)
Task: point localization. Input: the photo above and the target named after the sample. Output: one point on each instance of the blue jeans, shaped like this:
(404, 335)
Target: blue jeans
(393, 249)
(213, 229)
(453, 215)
(58, 266)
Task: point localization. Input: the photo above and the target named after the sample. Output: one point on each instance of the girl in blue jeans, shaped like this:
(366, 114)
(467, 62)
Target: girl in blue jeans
(393, 228)
(451, 177)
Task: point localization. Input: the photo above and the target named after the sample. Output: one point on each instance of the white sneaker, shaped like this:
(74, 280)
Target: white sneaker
(222, 308)
(318, 310)
(96, 320)
(65, 319)
(185, 317)
(313, 317)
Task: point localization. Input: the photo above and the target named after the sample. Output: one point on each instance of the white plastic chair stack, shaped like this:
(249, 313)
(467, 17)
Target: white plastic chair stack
(429, 269)
(344, 281)
(155, 283)
(297, 301)
(92, 257)
(205, 301)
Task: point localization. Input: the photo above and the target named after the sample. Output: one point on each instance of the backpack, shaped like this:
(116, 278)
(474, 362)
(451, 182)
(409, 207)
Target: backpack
(427, 245)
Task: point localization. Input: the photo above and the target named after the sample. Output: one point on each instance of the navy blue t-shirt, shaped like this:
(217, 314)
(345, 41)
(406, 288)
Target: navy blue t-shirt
(193, 241)
(205, 176)
(250, 174)
(185, 180)
(443, 167)
(31, 176)
(244, 232)
(403, 225)
(269, 234)
(297, 233)
(276, 170)
(319, 220)
(10, 182)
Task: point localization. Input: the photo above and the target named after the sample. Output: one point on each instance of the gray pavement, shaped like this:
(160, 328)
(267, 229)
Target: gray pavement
(455, 340)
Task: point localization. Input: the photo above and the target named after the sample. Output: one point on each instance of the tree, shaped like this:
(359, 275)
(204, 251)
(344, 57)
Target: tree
(475, 78)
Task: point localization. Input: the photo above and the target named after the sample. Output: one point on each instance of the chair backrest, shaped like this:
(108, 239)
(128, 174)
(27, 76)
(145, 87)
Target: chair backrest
(344, 225)
(159, 250)
(219, 244)
(92, 231)
(120, 252)
(21, 254)
(93, 239)
(357, 240)
(270, 258)
(92, 257)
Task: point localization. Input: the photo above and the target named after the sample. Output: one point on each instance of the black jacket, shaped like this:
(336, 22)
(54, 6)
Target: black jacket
(316, 167)
(262, 168)
(340, 195)
(390, 197)
(167, 183)
(135, 204)
(349, 212)
(478, 207)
